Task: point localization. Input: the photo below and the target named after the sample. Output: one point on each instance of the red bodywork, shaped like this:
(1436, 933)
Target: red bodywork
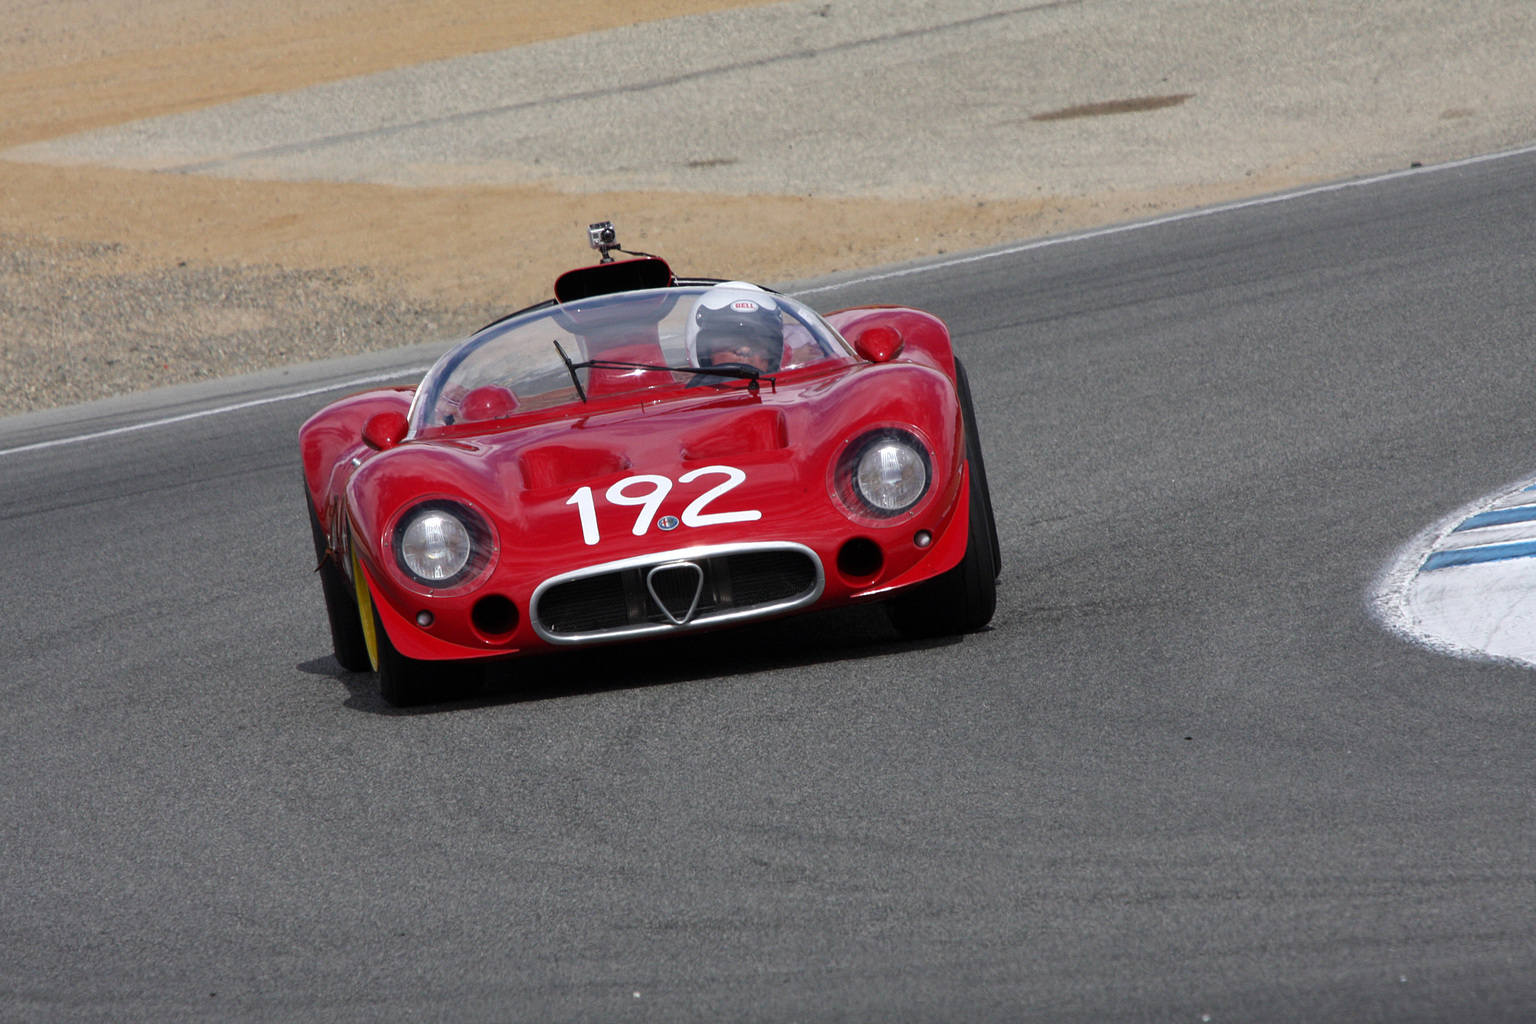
(522, 473)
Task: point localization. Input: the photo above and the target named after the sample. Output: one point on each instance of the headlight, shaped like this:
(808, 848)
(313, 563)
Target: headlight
(890, 473)
(436, 543)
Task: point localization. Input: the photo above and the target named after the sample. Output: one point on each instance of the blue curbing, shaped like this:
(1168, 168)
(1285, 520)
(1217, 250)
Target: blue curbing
(1473, 556)
(1499, 517)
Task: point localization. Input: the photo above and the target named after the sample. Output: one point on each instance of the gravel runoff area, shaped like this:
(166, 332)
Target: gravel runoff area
(1005, 121)
(73, 335)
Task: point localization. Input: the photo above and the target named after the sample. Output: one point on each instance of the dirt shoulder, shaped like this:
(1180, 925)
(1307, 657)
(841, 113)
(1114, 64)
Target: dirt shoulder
(113, 281)
(117, 281)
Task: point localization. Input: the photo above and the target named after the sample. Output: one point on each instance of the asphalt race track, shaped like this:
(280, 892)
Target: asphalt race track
(1184, 777)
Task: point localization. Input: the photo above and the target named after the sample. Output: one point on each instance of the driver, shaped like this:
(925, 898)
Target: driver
(736, 323)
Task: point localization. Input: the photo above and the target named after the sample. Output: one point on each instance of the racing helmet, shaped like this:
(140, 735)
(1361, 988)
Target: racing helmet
(733, 322)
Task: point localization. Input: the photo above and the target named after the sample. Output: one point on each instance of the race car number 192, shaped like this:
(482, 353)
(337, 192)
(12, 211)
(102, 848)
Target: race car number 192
(648, 491)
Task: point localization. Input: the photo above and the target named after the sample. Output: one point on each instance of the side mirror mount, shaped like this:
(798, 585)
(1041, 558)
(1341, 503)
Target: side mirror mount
(878, 344)
(384, 430)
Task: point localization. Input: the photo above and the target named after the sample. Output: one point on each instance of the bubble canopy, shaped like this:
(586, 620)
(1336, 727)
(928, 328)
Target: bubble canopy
(515, 365)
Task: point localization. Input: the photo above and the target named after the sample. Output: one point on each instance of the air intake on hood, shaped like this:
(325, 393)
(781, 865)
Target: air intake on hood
(760, 430)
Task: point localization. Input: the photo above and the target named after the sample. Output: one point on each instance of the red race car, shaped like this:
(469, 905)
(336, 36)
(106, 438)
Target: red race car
(644, 456)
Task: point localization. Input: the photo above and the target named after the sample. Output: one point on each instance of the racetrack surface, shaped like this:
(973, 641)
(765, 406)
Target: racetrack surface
(1185, 775)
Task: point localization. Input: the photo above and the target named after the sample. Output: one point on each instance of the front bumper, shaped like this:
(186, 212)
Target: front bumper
(620, 603)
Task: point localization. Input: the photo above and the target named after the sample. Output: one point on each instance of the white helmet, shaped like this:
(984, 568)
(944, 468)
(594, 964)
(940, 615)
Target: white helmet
(735, 316)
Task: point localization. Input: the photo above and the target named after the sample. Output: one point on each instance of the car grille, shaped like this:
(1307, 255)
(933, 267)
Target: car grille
(580, 606)
(653, 594)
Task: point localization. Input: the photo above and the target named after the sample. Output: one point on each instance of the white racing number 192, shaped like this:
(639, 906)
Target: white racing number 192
(647, 491)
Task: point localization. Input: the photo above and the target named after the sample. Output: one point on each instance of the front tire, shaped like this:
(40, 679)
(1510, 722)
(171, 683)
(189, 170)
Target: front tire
(964, 598)
(404, 682)
(974, 457)
(347, 640)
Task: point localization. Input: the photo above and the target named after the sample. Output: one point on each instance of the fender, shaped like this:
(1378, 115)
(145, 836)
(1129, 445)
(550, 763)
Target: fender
(330, 438)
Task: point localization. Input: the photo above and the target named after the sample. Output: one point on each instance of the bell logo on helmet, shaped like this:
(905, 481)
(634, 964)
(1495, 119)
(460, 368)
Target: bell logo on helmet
(744, 306)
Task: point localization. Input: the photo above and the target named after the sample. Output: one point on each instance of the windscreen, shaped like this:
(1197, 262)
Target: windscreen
(531, 361)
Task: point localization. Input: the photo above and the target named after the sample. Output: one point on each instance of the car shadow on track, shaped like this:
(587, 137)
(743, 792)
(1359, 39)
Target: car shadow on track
(820, 638)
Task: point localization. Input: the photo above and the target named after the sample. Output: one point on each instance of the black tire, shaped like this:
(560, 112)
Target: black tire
(405, 682)
(978, 464)
(965, 597)
(347, 640)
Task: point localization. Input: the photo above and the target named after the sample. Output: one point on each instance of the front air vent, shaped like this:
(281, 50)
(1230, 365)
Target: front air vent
(494, 615)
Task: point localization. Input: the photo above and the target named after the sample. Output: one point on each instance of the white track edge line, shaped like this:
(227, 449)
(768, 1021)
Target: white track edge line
(217, 411)
(1172, 218)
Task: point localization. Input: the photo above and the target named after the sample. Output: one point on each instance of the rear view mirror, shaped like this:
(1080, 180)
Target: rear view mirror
(878, 344)
(384, 430)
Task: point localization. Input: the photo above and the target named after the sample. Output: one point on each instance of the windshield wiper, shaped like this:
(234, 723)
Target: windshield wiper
(737, 372)
(571, 369)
